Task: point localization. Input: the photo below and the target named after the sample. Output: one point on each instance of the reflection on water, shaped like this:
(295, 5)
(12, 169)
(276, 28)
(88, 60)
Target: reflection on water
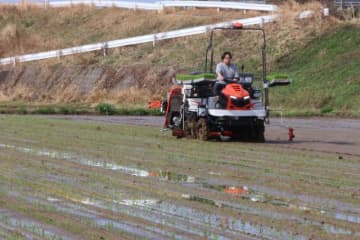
(181, 216)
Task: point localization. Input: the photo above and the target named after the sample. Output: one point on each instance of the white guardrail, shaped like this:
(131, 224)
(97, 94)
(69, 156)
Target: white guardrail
(132, 41)
(160, 5)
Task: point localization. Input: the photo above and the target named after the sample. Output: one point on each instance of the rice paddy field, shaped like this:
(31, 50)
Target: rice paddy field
(124, 178)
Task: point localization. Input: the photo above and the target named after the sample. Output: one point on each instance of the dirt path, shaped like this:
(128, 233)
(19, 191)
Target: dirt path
(340, 136)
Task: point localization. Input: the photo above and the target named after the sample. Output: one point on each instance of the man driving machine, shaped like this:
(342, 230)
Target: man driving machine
(226, 72)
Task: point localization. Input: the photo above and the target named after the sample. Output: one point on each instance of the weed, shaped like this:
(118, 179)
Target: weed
(45, 110)
(327, 109)
(28, 22)
(105, 109)
(67, 110)
(22, 110)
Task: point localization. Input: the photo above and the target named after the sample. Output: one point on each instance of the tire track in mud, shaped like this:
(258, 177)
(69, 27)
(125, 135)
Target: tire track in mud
(163, 208)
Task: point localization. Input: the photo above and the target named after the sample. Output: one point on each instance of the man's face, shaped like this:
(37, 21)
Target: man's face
(227, 59)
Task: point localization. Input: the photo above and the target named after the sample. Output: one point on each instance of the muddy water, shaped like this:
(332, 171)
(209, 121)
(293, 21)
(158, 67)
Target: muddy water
(29, 227)
(188, 220)
(184, 218)
(79, 159)
(137, 208)
(78, 208)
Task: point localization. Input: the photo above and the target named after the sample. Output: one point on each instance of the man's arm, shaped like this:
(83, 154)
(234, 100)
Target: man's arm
(218, 72)
(220, 76)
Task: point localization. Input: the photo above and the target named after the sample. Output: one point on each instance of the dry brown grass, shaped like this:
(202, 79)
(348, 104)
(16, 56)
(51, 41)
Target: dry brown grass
(8, 37)
(41, 29)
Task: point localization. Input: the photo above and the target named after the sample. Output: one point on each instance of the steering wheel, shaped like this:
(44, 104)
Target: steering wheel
(230, 80)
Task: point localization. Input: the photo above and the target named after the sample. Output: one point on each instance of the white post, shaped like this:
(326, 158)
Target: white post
(105, 49)
(59, 54)
(326, 12)
(161, 9)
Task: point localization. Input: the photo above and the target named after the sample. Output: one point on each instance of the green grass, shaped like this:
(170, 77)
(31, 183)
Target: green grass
(274, 76)
(22, 108)
(189, 77)
(325, 74)
(109, 109)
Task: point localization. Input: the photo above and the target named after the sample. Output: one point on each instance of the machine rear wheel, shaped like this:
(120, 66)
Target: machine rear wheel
(190, 129)
(260, 131)
(202, 129)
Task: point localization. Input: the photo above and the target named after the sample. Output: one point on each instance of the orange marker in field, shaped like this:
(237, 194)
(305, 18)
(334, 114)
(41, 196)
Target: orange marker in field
(236, 190)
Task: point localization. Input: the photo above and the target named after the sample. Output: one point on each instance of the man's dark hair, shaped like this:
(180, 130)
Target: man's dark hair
(224, 55)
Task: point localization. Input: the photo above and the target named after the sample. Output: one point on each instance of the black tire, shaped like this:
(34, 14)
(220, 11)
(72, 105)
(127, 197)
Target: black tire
(260, 131)
(202, 129)
(187, 128)
(194, 131)
(190, 129)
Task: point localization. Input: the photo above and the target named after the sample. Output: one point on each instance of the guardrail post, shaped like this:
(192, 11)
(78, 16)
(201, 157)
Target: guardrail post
(14, 62)
(161, 9)
(154, 41)
(59, 54)
(105, 48)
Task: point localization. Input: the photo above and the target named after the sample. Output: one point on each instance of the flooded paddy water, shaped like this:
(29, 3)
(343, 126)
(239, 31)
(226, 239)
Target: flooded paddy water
(62, 179)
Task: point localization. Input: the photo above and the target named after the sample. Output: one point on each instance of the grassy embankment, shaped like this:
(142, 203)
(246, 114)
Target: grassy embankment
(326, 75)
(321, 55)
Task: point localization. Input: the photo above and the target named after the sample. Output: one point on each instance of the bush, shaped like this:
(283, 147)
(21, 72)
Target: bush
(138, 112)
(45, 110)
(28, 22)
(327, 109)
(67, 110)
(22, 110)
(105, 109)
(123, 111)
